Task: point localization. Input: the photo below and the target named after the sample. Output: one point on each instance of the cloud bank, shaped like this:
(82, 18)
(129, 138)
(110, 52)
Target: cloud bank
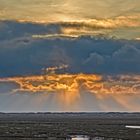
(27, 48)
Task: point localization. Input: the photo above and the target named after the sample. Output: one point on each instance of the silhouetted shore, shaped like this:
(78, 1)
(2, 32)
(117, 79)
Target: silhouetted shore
(57, 126)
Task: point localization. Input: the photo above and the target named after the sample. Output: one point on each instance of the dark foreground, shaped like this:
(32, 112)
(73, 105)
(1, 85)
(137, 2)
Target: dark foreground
(58, 126)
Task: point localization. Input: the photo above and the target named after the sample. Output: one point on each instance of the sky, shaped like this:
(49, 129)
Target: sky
(69, 55)
(114, 18)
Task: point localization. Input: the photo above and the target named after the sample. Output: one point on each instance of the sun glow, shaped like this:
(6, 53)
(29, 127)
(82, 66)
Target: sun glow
(92, 83)
(68, 88)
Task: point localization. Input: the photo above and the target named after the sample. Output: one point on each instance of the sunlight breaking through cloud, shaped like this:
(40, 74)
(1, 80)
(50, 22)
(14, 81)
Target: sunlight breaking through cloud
(75, 82)
(69, 88)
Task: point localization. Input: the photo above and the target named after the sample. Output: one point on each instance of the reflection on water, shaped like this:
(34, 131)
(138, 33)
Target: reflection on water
(85, 137)
(78, 137)
(133, 127)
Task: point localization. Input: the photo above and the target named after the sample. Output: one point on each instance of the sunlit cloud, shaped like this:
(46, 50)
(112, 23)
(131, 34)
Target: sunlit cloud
(107, 27)
(71, 52)
(92, 17)
(138, 38)
(60, 9)
(117, 22)
(69, 88)
(43, 36)
(97, 84)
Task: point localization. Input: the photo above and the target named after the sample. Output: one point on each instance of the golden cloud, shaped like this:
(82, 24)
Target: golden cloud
(75, 28)
(97, 84)
(68, 87)
(117, 22)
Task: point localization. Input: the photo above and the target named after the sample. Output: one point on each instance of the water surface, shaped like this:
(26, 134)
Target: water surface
(133, 127)
(79, 137)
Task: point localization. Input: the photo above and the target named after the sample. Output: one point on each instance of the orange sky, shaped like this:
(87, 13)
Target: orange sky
(123, 15)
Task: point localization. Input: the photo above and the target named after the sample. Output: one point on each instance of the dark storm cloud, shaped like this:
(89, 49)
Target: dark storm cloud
(20, 54)
(12, 29)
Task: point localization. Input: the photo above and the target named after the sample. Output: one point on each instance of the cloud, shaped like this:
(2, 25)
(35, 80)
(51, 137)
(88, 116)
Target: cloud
(95, 59)
(13, 29)
(122, 27)
(67, 83)
(74, 25)
(83, 55)
(70, 92)
(54, 56)
(67, 48)
(25, 53)
(123, 54)
(7, 87)
(121, 21)
(61, 10)
(127, 58)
